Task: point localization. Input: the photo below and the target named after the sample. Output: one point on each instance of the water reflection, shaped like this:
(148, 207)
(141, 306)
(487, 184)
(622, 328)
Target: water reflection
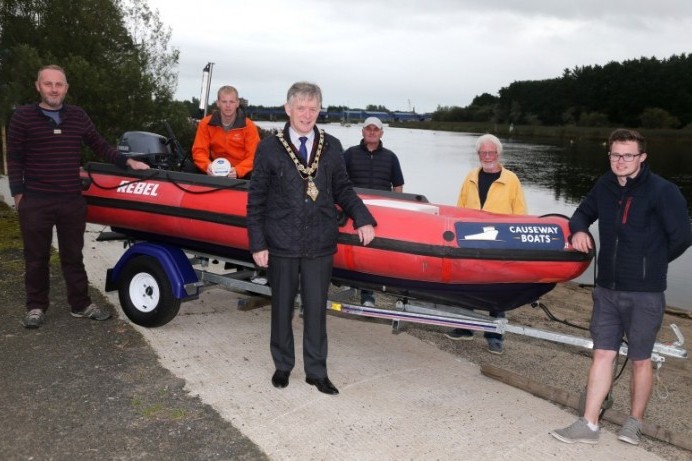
(570, 170)
(555, 176)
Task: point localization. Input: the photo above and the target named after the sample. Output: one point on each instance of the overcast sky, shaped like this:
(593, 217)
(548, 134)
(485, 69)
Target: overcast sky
(410, 54)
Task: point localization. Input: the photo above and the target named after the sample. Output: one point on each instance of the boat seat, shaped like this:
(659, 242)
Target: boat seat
(401, 205)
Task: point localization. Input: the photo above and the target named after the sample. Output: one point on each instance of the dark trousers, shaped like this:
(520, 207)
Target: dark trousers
(314, 276)
(37, 217)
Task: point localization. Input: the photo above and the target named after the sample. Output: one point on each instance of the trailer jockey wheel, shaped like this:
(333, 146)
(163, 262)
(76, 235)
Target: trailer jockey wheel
(145, 293)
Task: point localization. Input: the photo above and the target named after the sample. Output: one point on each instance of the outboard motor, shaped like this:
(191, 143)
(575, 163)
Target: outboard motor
(150, 148)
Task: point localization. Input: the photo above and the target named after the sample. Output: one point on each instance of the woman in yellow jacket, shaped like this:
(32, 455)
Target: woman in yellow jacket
(496, 189)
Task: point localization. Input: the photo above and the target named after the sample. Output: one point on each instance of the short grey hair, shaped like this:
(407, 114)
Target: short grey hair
(226, 89)
(489, 138)
(305, 90)
(51, 67)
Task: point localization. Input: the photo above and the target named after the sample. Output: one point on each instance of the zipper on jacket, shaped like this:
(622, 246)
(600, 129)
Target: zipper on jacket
(621, 218)
(613, 285)
(371, 179)
(626, 212)
(644, 268)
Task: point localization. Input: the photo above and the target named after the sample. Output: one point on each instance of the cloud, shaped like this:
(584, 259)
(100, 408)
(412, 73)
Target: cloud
(407, 53)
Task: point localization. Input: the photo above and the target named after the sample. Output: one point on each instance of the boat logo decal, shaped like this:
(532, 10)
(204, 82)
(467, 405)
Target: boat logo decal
(138, 188)
(509, 235)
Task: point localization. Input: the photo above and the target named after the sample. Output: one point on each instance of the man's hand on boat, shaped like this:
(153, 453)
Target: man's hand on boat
(136, 164)
(366, 234)
(261, 258)
(581, 241)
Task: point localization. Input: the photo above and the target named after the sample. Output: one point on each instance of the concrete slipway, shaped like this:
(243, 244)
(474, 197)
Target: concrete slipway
(400, 397)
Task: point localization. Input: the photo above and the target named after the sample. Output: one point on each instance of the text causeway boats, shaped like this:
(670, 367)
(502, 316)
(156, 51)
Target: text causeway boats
(433, 252)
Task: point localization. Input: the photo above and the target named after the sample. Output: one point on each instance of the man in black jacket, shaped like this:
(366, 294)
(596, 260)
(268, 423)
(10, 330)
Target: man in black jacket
(643, 225)
(299, 176)
(371, 166)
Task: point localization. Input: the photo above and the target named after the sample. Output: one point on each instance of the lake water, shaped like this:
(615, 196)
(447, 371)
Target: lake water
(554, 177)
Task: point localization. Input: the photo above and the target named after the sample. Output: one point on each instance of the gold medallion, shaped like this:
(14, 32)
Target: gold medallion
(306, 173)
(312, 190)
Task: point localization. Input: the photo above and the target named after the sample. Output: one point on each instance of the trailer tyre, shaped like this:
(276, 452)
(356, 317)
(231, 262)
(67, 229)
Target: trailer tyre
(145, 293)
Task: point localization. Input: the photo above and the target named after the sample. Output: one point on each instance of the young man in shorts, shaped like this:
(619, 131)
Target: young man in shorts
(643, 225)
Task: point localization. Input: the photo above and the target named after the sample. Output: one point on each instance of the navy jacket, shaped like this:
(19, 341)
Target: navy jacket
(642, 227)
(375, 170)
(282, 218)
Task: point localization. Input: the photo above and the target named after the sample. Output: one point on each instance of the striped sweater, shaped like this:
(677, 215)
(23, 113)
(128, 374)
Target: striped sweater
(44, 158)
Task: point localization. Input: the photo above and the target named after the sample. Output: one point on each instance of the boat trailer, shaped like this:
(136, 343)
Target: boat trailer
(416, 311)
(151, 277)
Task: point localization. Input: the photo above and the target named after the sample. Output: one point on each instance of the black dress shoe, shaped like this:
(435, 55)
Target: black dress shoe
(280, 378)
(323, 385)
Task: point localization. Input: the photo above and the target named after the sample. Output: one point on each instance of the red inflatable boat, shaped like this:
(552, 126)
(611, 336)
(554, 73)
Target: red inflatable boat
(469, 258)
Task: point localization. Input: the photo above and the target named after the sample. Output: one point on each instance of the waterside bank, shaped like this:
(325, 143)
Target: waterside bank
(528, 132)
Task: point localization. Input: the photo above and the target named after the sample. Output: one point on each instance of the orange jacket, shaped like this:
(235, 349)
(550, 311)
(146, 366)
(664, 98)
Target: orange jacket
(238, 144)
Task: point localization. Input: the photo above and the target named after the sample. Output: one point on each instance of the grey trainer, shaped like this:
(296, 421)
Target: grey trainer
(578, 432)
(33, 318)
(631, 431)
(94, 312)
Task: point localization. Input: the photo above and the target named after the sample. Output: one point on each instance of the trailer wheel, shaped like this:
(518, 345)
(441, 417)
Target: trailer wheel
(145, 293)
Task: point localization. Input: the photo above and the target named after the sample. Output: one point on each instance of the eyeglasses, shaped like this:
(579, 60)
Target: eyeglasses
(487, 153)
(626, 157)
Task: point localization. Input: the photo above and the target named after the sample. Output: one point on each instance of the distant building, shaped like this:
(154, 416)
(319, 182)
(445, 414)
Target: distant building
(346, 116)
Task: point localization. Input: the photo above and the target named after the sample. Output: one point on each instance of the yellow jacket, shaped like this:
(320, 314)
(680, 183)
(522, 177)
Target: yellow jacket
(504, 196)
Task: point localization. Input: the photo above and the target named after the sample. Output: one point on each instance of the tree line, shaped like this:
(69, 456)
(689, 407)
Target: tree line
(116, 53)
(645, 92)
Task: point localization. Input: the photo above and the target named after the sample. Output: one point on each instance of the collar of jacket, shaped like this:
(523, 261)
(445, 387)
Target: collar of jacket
(631, 183)
(478, 170)
(62, 110)
(239, 122)
(365, 147)
(287, 136)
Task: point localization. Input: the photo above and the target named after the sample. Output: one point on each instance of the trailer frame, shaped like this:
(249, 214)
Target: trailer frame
(191, 274)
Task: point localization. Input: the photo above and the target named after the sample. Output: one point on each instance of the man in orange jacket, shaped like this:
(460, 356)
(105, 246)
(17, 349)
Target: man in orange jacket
(226, 133)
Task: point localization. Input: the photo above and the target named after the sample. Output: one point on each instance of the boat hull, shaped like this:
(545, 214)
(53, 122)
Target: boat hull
(465, 257)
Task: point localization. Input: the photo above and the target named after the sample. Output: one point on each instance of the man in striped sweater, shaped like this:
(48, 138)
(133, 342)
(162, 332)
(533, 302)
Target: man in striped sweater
(44, 147)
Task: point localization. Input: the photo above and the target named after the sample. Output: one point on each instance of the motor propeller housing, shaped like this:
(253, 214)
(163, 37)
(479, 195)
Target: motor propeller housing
(150, 148)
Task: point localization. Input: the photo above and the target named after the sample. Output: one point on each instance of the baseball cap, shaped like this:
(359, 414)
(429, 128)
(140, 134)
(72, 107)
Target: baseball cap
(372, 121)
